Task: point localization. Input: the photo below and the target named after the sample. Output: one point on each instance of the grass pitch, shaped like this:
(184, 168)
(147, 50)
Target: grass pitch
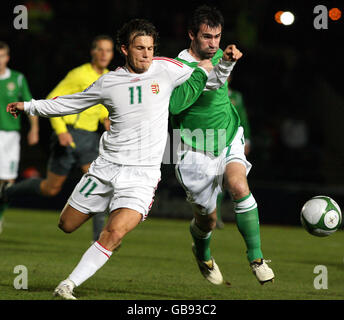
(155, 262)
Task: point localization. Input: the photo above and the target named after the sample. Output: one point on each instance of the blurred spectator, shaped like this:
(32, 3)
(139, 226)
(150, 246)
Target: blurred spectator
(13, 87)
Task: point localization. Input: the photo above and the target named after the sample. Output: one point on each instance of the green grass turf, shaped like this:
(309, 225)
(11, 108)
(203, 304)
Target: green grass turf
(155, 262)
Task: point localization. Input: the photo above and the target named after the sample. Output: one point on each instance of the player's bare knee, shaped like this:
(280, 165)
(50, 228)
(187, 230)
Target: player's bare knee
(65, 227)
(238, 189)
(209, 226)
(206, 223)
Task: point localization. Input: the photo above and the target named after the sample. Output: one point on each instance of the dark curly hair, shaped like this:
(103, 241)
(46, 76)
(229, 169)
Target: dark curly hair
(210, 16)
(133, 29)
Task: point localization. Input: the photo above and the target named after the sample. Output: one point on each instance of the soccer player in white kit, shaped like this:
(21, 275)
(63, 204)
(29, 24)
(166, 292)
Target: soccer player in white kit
(123, 179)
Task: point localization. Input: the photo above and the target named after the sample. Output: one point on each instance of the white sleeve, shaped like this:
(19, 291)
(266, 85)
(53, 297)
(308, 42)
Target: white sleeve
(68, 104)
(181, 74)
(186, 74)
(177, 70)
(218, 76)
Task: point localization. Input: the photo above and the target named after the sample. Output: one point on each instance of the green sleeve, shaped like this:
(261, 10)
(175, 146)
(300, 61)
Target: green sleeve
(25, 91)
(188, 92)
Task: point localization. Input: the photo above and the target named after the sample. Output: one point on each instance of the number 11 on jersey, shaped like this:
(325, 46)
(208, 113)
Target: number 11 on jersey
(138, 94)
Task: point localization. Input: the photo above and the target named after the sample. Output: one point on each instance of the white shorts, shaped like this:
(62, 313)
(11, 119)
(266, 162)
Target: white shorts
(9, 154)
(201, 173)
(108, 186)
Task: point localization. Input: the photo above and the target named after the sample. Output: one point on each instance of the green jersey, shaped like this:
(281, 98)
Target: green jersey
(211, 123)
(13, 87)
(237, 100)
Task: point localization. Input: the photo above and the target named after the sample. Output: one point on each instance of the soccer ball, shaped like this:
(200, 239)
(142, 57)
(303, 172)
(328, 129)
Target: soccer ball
(321, 216)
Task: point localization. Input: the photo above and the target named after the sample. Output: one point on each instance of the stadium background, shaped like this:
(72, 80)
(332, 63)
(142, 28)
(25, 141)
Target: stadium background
(290, 78)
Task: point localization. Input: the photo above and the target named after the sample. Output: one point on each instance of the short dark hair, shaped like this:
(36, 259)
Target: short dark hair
(98, 38)
(210, 16)
(134, 28)
(4, 45)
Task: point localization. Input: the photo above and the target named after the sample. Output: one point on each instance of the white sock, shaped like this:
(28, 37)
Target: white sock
(92, 260)
(245, 204)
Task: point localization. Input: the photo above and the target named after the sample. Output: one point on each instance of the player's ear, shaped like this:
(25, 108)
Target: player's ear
(191, 35)
(124, 50)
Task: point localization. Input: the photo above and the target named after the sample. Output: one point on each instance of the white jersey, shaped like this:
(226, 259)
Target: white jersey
(138, 110)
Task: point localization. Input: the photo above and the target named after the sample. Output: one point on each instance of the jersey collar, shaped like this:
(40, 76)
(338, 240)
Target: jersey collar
(185, 55)
(6, 75)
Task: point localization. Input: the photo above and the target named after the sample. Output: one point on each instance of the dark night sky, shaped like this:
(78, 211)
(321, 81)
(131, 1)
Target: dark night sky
(287, 72)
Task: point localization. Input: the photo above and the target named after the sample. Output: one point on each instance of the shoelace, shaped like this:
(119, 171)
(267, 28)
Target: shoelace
(257, 264)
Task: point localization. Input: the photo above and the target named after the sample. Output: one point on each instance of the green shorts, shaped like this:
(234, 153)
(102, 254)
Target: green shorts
(63, 159)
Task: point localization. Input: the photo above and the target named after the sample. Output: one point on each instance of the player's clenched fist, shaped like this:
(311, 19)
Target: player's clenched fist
(232, 53)
(14, 108)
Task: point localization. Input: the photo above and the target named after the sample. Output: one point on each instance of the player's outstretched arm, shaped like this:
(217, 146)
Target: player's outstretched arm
(61, 106)
(222, 70)
(188, 92)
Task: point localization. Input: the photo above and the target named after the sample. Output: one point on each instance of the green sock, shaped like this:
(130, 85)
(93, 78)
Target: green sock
(201, 240)
(3, 207)
(219, 205)
(247, 220)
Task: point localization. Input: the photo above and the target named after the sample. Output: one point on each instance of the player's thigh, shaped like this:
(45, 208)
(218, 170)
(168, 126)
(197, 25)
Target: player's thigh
(235, 166)
(90, 196)
(235, 180)
(85, 167)
(71, 219)
(9, 154)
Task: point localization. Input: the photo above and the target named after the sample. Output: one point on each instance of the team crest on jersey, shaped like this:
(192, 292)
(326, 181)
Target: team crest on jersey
(155, 88)
(11, 86)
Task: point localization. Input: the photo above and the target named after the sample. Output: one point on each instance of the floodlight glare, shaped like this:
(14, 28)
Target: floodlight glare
(287, 18)
(278, 16)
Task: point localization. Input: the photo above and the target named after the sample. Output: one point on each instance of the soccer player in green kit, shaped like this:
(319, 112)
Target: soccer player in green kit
(212, 156)
(13, 87)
